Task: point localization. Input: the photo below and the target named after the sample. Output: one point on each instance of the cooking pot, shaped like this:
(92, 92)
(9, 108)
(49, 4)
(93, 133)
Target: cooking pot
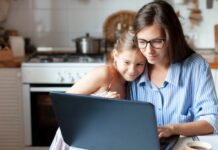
(88, 45)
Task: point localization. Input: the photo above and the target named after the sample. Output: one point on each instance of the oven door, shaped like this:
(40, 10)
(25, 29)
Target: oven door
(39, 120)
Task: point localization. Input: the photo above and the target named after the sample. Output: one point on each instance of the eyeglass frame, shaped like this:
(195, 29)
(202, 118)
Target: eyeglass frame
(150, 42)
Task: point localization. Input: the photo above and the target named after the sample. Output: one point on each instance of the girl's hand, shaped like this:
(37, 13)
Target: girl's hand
(165, 131)
(112, 94)
(108, 94)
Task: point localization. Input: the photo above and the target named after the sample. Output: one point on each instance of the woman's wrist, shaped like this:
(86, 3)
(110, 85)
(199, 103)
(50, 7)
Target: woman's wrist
(191, 128)
(175, 129)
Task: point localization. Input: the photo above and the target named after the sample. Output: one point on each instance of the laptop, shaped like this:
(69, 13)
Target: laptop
(97, 123)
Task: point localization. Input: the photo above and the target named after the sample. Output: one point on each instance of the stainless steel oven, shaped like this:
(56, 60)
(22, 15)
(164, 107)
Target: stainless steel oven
(41, 74)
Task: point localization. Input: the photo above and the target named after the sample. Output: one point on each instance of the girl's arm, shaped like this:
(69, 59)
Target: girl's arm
(91, 82)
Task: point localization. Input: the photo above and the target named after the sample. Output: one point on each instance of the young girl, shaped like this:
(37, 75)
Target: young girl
(109, 80)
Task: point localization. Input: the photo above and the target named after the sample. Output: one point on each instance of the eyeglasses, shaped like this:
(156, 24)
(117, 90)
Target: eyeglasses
(155, 43)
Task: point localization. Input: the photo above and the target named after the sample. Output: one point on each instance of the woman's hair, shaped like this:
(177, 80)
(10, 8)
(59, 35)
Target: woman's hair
(162, 14)
(125, 42)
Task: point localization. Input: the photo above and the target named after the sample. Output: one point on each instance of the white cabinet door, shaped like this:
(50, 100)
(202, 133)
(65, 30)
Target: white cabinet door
(215, 78)
(11, 124)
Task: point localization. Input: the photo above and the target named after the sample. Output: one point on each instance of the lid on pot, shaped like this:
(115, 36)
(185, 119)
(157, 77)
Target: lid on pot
(86, 37)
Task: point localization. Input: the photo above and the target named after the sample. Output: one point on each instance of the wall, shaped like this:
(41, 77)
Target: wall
(202, 34)
(56, 22)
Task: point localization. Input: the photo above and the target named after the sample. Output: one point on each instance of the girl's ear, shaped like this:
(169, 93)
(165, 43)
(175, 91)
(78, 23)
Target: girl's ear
(114, 53)
(114, 56)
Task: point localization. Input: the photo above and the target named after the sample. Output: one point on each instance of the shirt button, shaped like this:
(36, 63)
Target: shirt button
(159, 109)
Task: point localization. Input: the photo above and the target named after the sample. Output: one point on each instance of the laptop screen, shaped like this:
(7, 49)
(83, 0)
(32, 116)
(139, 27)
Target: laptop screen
(98, 123)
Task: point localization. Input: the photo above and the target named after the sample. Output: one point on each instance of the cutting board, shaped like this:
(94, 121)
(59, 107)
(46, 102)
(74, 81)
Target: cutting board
(6, 54)
(216, 37)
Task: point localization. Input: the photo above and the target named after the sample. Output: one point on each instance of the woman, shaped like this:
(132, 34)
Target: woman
(109, 80)
(176, 80)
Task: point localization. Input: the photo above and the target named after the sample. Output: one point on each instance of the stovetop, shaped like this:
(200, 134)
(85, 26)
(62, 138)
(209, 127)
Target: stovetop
(58, 68)
(65, 57)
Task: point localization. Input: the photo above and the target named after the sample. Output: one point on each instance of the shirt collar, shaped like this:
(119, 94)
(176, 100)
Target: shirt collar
(172, 75)
(144, 77)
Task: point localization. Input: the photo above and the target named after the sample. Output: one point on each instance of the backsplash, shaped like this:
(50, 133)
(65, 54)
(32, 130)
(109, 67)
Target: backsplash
(56, 22)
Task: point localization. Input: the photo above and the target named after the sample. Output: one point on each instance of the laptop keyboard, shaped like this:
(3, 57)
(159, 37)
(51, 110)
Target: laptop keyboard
(168, 143)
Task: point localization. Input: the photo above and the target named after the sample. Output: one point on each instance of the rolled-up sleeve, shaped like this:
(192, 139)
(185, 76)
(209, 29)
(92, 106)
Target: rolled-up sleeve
(206, 102)
(212, 120)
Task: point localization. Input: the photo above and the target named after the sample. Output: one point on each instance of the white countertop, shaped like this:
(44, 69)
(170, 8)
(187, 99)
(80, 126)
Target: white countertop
(211, 139)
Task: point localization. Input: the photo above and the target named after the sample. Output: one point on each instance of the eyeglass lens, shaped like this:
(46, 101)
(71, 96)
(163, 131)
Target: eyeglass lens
(155, 43)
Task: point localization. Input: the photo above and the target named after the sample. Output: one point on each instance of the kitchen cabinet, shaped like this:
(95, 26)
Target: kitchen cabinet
(11, 120)
(215, 78)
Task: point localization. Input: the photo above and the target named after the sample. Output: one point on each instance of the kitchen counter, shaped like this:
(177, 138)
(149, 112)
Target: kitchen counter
(211, 139)
(12, 63)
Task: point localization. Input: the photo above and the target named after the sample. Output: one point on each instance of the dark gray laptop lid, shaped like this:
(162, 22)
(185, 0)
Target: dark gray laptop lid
(97, 123)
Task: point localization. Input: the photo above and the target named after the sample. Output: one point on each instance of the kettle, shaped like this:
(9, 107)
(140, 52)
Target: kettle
(88, 45)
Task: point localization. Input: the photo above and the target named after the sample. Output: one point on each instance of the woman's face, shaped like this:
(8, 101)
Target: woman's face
(151, 41)
(130, 64)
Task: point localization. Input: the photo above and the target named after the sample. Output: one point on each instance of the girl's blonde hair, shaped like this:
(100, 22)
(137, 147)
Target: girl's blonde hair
(125, 42)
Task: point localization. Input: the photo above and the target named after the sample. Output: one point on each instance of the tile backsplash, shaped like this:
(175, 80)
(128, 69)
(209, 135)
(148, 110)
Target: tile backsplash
(56, 22)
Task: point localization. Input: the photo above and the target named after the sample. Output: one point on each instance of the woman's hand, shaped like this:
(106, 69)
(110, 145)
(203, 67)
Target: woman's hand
(165, 131)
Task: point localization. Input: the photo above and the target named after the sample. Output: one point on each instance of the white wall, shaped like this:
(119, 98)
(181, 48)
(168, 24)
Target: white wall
(202, 34)
(56, 22)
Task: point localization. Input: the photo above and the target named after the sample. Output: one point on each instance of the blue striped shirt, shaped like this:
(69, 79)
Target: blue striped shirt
(187, 94)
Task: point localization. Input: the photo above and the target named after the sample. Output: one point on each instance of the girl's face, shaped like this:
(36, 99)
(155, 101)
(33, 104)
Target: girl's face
(152, 43)
(130, 64)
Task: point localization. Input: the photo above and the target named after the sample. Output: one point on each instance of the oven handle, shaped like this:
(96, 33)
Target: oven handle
(49, 89)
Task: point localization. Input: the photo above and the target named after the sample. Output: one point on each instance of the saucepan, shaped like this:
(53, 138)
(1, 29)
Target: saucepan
(88, 45)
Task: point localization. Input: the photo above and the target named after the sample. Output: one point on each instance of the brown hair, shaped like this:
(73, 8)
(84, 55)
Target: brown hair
(162, 14)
